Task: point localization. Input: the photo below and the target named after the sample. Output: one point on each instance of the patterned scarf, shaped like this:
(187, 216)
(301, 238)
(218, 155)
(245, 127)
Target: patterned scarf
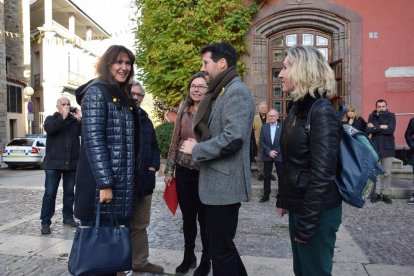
(200, 122)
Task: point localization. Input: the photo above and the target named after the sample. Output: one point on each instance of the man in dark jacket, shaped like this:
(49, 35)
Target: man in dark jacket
(381, 126)
(144, 186)
(62, 153)
(409, 138)
(270, 142)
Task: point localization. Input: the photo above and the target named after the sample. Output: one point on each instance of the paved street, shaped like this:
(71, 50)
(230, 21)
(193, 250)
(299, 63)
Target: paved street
(375, 240)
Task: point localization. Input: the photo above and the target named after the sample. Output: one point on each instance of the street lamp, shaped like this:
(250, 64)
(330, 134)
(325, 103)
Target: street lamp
(28, 93)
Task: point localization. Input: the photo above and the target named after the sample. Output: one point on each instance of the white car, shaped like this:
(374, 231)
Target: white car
(28, 151)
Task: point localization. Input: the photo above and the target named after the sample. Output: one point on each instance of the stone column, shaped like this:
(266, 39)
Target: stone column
(3, 87)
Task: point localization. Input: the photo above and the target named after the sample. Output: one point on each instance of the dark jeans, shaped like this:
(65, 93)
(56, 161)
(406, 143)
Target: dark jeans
(191, 208)
(49, 198)
(221, 228)
(315, 257)
(268, 166)
(412, 160)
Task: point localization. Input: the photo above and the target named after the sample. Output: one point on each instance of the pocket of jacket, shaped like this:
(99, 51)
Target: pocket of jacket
(302, 182)
(220, 167)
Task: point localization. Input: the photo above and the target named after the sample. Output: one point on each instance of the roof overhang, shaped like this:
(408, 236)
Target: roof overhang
(61, 12)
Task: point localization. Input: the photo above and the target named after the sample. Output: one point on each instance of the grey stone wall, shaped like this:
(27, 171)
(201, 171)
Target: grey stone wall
(11, 48)
(3, 99)
(14, 45)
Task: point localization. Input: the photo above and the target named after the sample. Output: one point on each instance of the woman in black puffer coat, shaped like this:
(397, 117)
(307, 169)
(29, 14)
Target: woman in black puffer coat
(110, 140)
(309, 166)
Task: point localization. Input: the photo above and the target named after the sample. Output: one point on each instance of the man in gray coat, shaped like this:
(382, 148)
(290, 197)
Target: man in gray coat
(222, 126)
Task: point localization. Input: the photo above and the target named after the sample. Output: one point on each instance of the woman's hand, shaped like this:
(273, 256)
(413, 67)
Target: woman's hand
(167, 180)
(105, 195)
(281, 212)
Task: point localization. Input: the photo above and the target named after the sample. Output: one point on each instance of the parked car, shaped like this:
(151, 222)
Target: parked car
(28, 151)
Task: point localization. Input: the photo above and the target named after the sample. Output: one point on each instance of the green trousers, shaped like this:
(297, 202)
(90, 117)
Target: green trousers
(315, 257)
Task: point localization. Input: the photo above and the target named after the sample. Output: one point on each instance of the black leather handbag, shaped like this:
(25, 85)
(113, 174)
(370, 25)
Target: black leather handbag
(100, 249)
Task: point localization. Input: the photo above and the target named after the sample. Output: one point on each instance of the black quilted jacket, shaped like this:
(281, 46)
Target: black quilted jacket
(309, 164)
(108, 144)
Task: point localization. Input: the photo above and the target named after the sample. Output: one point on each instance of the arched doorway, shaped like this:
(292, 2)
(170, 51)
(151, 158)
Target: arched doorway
(279, 26)
(277, 46)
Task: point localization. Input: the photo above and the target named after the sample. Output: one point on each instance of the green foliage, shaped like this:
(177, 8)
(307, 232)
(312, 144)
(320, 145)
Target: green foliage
(170, 33)
(164, 133)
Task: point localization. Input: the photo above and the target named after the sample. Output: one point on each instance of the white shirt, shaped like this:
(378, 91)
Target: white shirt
(273, 131)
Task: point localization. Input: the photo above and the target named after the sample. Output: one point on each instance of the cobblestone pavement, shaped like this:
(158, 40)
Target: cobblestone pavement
(384, 232)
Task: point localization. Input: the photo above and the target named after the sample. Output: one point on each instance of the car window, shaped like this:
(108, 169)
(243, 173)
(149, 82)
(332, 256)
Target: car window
(40, 143)
(21, 142)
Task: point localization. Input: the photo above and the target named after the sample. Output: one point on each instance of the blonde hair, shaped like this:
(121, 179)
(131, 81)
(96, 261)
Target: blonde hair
(310, 73)
(345, 119)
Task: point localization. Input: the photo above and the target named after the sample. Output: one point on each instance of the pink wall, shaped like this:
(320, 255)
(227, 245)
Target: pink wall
(394, 47)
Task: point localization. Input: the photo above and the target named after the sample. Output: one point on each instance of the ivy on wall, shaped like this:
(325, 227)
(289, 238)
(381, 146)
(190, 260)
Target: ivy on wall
(170, 34)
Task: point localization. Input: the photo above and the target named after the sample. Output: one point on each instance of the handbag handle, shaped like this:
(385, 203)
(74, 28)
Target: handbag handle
(98, 215)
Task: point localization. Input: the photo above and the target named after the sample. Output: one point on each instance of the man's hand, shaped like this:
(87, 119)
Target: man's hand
(77, 114)
(273, 154)
(384, 126)
(188, 145)
(370, 125)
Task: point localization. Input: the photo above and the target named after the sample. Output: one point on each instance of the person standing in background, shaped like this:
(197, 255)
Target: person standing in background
(270, 142)
(381, 127)
(351, 118)
(62, 154)
(409, 138)
(149, 164)
(259, 120)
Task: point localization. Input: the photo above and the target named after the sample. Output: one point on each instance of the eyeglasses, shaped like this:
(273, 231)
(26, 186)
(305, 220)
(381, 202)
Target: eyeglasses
(193, 86)
(138, 95)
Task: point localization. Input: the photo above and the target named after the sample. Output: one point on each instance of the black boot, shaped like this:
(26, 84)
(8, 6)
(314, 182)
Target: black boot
(188, 262)
(203, 268)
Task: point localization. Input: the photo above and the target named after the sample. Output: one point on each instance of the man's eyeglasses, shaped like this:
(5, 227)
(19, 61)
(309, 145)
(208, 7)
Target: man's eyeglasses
(199, 87)
(138, 95)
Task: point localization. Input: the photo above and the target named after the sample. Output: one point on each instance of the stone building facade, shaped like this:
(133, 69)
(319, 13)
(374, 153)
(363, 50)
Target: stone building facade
(368, 44)
(12, 79)
(3, 92)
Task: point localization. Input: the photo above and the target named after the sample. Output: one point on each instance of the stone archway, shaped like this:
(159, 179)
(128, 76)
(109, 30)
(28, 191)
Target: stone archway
(343, 24)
